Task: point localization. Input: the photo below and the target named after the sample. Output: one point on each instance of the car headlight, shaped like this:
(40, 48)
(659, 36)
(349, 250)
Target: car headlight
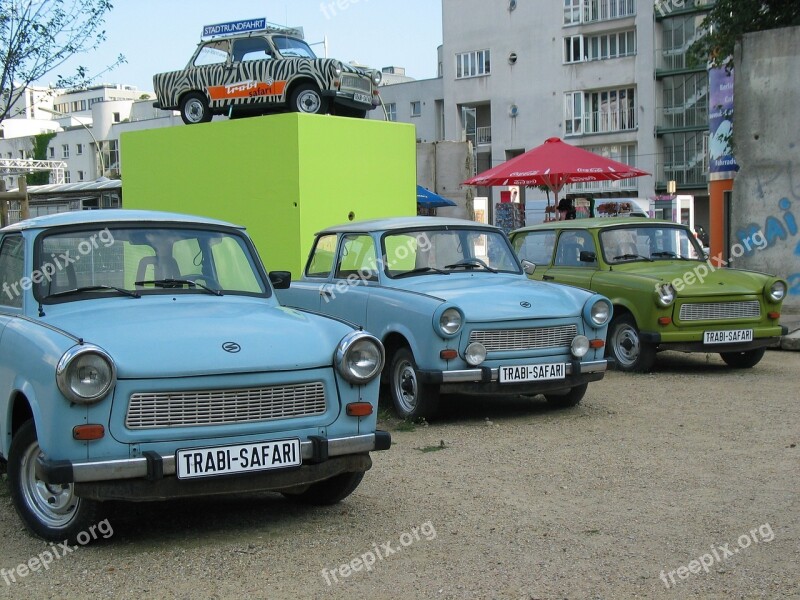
(665, 294)
(377, 77)
(448, 321)
(776, 291)
(580, 346)
(599, 312)
(85, 374)
(337, 68)
(475, 354)
(359, 357)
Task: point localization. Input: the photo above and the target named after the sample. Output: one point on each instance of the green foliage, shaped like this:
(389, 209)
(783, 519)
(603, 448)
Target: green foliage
(40, 144)
(730, 19)
(37, 36)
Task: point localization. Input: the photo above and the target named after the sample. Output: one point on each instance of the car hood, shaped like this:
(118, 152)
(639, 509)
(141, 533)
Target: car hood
(702, 280)
(154, 337)
(498, 296)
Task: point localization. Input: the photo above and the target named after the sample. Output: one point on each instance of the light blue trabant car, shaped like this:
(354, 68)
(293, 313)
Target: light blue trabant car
(455, 312)
(144, 356)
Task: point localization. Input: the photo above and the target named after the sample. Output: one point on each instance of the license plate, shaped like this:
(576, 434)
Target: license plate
(362, 98)
(729, 336)
(522, 373)
(241, 458)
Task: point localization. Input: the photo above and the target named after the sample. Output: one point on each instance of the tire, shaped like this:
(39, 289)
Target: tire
(411, 398)
(195, 109)
(51, 511)
(329, 491)
(306, 98)
(743, 360)
(568, 400)
(626, 347)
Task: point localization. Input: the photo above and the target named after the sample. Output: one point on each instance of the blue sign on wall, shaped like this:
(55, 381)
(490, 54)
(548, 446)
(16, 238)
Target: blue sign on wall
(235, 27)
(720, 123)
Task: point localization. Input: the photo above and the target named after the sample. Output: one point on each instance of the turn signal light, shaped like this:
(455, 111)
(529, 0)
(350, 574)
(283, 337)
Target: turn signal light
(596, 343)
(664, 320)
(774, 315)
(448, 354)
(88, 432)
(359, 409)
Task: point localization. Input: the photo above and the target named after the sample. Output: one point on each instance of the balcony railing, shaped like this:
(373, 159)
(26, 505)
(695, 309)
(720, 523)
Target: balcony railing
(608, 121)
(483, 135)
(603, 186)
(603, 10)
(681, 117)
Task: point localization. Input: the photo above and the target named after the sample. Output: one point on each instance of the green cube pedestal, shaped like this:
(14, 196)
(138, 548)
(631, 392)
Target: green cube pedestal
(284, 176)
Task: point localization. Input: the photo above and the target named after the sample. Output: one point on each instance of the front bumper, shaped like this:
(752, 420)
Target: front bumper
(152, 476)
(485, 380)
(655, 338)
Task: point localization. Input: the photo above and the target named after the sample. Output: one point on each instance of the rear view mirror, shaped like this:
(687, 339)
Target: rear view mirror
(528, 266)
(280, 280)
(587, 257)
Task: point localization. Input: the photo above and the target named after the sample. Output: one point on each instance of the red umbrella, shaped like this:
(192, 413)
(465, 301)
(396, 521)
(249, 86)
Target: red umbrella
(555, 164)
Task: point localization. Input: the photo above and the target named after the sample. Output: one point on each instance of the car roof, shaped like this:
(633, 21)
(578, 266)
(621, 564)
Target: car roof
(394, 223)
(111, 215)
(598, 223)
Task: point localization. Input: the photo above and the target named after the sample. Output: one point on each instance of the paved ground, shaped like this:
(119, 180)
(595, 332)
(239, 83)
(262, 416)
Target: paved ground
(792, 340)
(678, 484)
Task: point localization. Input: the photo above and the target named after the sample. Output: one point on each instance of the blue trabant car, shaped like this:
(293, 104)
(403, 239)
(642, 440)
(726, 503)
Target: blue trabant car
(144, 356)
(455, 311)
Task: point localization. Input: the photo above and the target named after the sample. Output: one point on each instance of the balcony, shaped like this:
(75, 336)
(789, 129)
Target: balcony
(606, 121)
(669, 8)
(605, 10)
(483, 136)
(683, 117)
(692, 173)
(596, 187)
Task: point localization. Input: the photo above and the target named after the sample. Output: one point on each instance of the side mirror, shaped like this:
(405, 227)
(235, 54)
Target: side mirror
(587, 257)
(528, 266)
(280, 280)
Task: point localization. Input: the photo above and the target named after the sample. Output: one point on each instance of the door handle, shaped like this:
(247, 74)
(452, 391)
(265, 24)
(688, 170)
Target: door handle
(548, 277)
(325, 294)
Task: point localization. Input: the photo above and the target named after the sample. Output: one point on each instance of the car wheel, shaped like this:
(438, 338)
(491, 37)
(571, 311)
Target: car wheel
(195, 109)
(571, 398)
(329, 491)
(411, 398)
(743, 360)
(306, 98)
(626, 347)
(51, 511)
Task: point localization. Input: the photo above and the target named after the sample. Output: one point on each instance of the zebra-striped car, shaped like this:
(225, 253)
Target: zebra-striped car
(257, 73)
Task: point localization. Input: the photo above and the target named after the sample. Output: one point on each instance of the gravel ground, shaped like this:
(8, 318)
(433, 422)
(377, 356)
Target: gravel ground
(498, 499)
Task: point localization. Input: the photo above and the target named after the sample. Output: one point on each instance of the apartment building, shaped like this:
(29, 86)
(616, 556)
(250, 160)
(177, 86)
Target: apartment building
(610, 76)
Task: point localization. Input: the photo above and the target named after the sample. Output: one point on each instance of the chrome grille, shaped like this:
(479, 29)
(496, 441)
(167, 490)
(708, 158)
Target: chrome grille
(535, 338)
(150, 410)
(720, 311)
(356, 83)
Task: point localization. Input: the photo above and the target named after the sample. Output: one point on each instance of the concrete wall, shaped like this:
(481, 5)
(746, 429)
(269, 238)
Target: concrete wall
(441, 167)
(766, 195)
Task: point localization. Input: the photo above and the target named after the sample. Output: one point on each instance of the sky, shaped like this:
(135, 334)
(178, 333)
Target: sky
(161, 35)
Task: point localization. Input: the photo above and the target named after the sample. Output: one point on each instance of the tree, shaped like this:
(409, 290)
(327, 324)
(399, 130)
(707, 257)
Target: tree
(40, 144)
(730, 19)
(38, 36)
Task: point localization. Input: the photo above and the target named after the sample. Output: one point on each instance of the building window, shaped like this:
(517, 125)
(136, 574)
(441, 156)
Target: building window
(613, 45)
(78, 149)
(573, 49)
(601, 111)
(67, 177)
(116, 117)
(624, 153)
(65, 150)
(590, 11)
(416, 108)
(473, 64)
(391, 111)
(52, 152)
(685, 101)
(80, 175)
(572, 11)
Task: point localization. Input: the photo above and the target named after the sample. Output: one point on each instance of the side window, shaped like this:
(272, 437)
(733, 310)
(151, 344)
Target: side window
(321, 261)
(251, 49)
(535, 246)
(357, 258)
(570, 246)
(213, 53)
(12, 255)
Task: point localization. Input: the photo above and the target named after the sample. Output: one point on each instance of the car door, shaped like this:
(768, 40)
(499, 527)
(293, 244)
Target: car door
(347, 295)
(256, 65)
(575, 259)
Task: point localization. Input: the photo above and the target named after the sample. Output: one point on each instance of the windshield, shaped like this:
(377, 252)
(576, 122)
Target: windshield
(649, 242)
(292, 47)
(447, 250)
(135, 261)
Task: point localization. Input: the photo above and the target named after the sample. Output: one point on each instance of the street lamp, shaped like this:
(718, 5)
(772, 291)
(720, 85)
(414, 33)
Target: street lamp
(88, 130)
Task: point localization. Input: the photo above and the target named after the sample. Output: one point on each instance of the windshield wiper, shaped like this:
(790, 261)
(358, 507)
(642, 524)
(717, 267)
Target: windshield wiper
(670, 255)
(168, 283)
(630, 256)
(472, 263)
(95, 288)
(419, 271)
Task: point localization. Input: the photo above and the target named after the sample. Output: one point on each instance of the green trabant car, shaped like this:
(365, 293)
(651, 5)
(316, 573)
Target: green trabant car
(666, 294)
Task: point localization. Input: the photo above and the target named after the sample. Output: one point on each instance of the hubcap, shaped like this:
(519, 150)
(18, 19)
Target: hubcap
(308, 102)
(626, 345)
(54, 505)
(406, 387)
(194, 111)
